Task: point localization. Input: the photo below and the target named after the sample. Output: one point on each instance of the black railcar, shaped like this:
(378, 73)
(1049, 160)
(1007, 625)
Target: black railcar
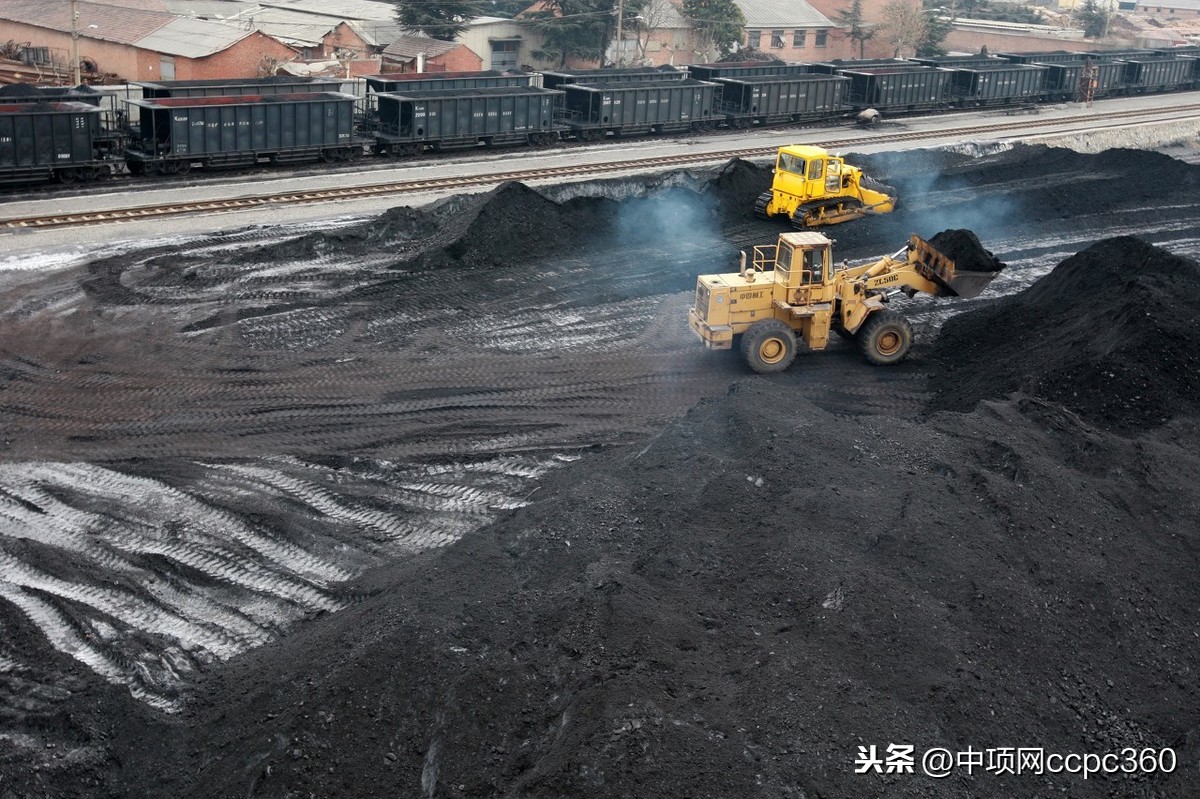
(1158, 73)
(745, 69)
(41, 141)
(410, 122)
(839, 65)
(236, 86)
(445, 81)
(1001, 84)
(593, 111)
(557, 80)
(1043, 57)
(770, 99)
(899, 88)
(957, 61)
(1061, 80)
(174, 133)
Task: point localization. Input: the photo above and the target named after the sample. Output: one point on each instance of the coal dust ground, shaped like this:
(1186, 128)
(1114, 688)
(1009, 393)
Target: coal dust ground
(452, 503)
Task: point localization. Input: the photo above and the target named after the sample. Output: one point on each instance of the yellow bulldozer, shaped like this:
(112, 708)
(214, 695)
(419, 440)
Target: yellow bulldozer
(813, 188)
(792, 291)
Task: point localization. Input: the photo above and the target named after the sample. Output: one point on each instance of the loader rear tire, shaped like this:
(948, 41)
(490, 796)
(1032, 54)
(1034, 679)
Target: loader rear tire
(769, 346)
(885, 338)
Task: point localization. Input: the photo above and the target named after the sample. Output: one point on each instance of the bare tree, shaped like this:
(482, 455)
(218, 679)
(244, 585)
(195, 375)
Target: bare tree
(653, 15)
(904, 27)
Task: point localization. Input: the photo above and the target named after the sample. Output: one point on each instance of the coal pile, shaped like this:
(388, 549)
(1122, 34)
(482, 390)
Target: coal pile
(722, 604)
(1110, 333)
(638, 634)
(964, 248)
(739, 184)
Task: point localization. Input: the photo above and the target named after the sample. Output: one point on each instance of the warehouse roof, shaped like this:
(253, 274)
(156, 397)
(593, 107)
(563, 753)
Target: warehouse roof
(157, 31)
(346, 9)
(294, 24)
(782, 14)
(192, 38)
(413, 46)
(207, 9)
(289, 27)
(96, 21)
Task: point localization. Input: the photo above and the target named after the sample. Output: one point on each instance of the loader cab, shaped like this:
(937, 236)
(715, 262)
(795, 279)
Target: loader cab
(803, 259)
(803, 268)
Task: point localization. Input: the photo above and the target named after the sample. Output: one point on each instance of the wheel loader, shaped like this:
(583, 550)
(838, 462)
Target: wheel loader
(792, 291)
(813, 188)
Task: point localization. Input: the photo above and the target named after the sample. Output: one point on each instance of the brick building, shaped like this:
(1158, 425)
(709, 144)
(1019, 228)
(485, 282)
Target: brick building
(790, 30)
(422, 54)
(136, 43)
(349, 45)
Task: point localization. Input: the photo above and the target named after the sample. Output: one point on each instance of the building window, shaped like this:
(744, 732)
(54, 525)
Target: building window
(777, 40)
(504, 54)
(754, 39)
(35, 55)
(822, 38)
(799, 38)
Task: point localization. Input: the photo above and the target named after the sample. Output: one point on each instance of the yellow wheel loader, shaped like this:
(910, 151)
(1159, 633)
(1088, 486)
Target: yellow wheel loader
(792, 291)
(813, 188)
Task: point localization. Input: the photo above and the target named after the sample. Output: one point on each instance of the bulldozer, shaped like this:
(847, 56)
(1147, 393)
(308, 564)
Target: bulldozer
(813, 188)
(792, 291)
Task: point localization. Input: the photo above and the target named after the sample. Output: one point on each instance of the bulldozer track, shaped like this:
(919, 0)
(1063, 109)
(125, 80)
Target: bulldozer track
(1107, 119)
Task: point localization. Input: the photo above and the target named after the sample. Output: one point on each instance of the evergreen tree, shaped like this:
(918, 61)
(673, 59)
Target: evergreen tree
(937, 28)
(441, 19)
(578, 29)
(856, 29)
(1094, 19)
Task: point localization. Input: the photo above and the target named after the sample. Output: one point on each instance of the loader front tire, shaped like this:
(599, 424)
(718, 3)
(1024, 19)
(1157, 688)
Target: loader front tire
(885, 338)
(769, 346)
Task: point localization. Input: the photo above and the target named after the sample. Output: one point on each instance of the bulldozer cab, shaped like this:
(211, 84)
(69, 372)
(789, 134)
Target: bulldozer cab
(806, 172)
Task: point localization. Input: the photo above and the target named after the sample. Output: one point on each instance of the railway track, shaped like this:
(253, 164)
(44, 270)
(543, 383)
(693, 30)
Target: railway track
(399, 187)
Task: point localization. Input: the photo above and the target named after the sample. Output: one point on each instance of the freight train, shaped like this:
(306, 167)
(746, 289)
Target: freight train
(66, 134)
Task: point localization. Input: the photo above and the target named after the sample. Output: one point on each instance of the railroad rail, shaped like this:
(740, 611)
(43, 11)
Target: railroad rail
(1058, 125)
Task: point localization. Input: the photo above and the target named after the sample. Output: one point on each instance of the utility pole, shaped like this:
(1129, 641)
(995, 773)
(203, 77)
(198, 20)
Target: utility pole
(75, 40)
(620, 32)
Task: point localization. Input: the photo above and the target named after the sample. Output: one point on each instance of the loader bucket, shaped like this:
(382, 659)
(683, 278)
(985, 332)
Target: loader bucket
(957, 262)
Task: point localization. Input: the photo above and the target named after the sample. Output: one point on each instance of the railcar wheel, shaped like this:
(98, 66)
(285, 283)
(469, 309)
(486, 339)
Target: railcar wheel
(885, 338)
(136, 167)
(184, 167)
(769, 346)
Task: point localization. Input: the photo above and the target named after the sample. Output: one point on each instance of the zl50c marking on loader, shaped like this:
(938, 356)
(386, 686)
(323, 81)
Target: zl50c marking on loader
(792, 291)
(813, 188)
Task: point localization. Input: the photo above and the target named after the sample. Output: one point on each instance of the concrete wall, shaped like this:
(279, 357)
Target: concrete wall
(970, 41)
(663, 47)
(479, 39)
